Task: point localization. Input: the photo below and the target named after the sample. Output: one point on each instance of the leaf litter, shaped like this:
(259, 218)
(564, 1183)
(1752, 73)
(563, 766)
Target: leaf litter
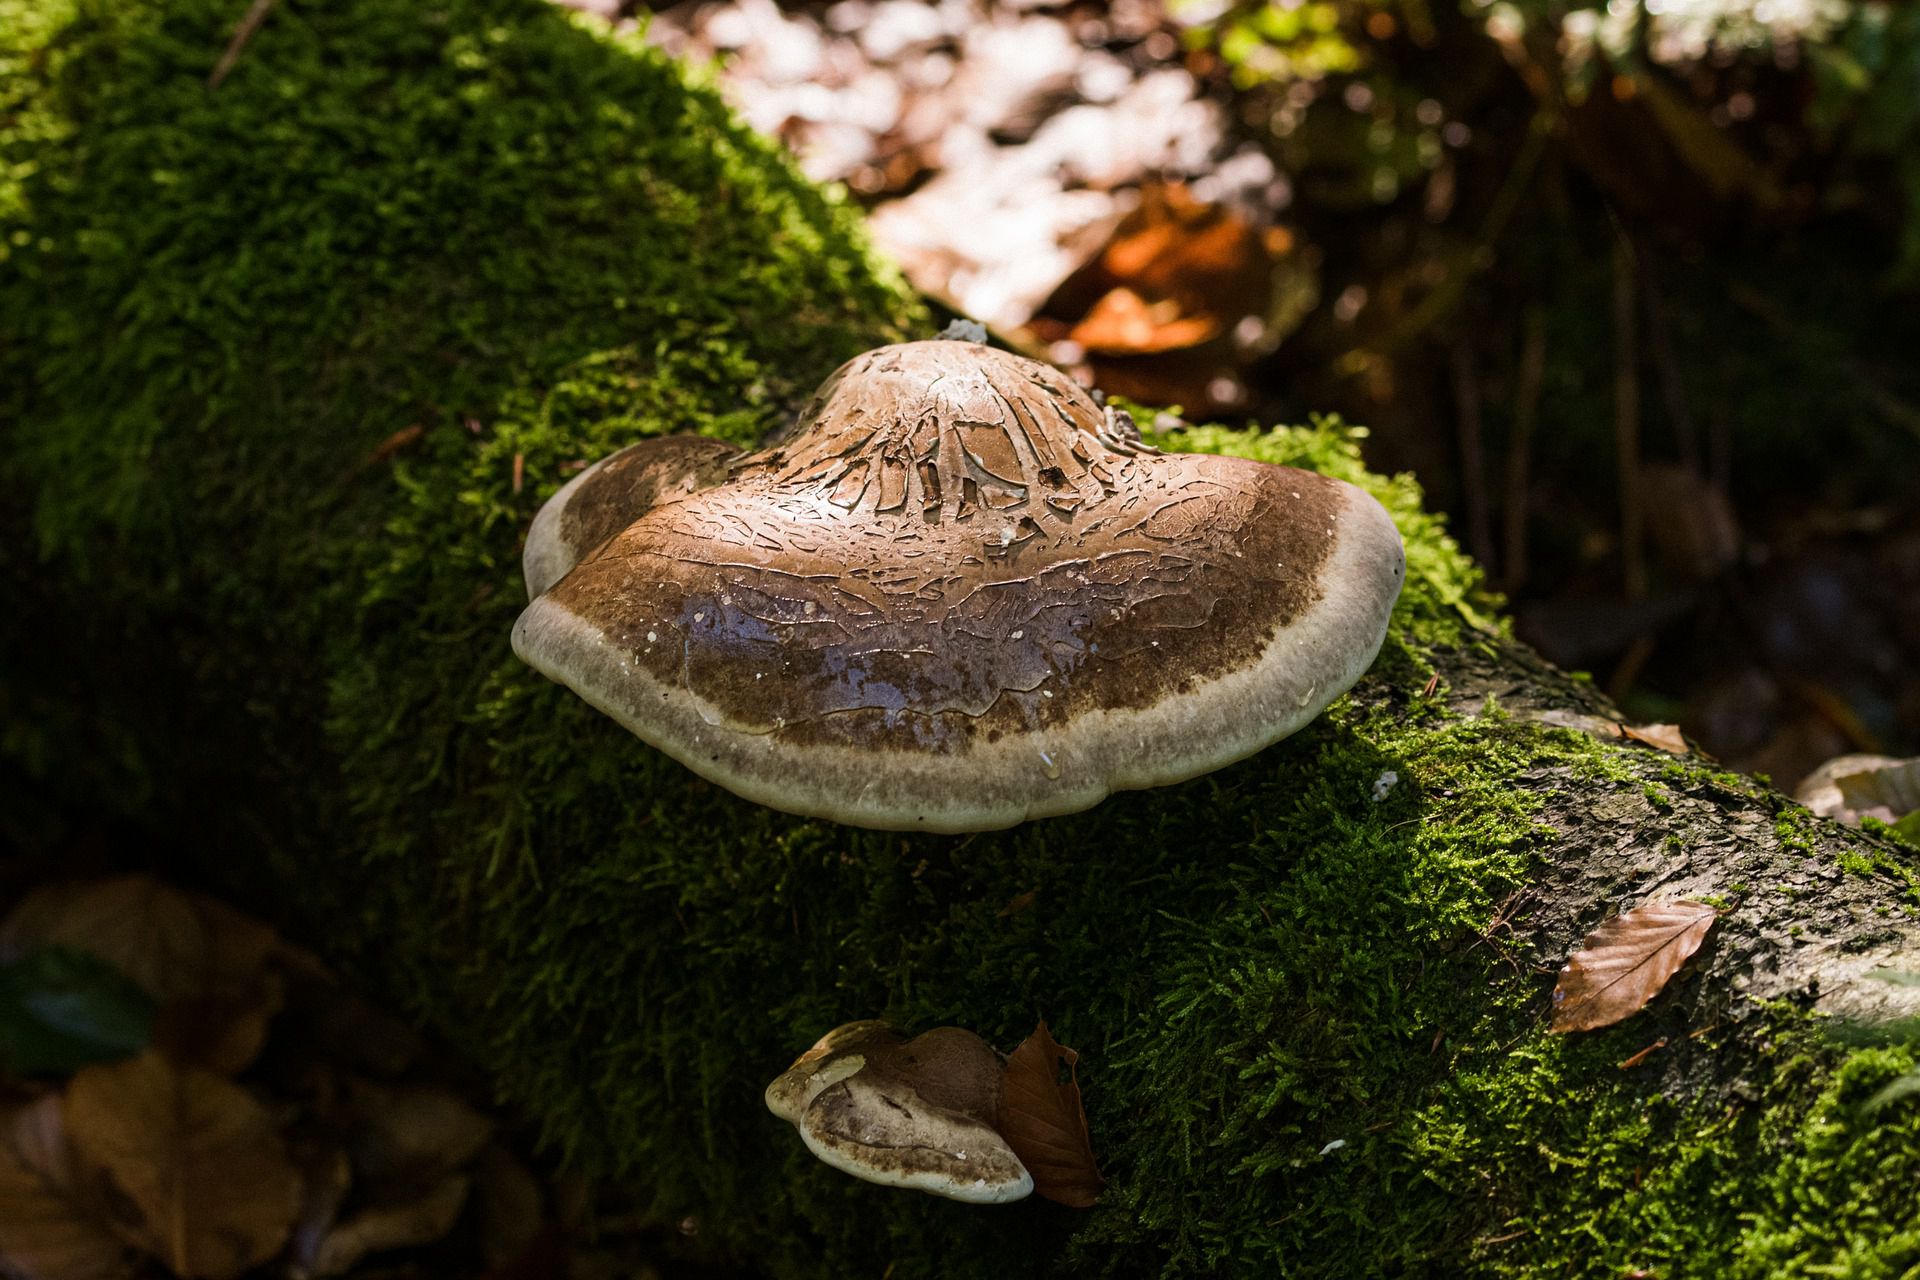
(1045, 1122)
(1626, 962)
(202, 1095)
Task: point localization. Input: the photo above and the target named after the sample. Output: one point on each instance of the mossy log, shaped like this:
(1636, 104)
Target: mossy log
(286, 366)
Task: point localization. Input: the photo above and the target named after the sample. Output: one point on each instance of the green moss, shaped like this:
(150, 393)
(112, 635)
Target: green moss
(272, 619)
(1616, 1182)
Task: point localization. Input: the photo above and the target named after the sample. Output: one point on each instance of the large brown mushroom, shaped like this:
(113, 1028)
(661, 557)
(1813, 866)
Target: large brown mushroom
(955, 595)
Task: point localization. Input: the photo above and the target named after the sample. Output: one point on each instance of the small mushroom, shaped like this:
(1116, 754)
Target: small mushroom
(904, 1113)
(957, 594)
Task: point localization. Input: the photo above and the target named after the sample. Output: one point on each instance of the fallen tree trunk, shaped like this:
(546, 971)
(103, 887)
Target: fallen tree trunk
(287, 365)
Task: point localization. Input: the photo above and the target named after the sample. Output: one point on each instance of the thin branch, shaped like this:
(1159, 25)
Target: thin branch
(255, 15)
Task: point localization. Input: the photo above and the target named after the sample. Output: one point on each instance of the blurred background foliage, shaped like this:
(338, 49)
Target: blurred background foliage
(1630, 286)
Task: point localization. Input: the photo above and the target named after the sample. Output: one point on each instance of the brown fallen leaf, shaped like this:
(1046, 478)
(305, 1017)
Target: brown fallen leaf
(1044, 1121)
(1893, 788)
(46, 1232)
(1664, 736)
(218, 974)
(222, 1033)
(174, 944)
(190, 1166)
(145, 929)
(1626, 961)
(1124, 323)
(409, 1134)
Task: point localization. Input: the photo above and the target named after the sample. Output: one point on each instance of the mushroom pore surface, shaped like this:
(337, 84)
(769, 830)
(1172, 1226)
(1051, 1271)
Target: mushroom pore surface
(945, 600)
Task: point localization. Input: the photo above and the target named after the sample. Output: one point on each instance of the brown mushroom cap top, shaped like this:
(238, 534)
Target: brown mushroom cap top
(952, 597)
(917, 1113)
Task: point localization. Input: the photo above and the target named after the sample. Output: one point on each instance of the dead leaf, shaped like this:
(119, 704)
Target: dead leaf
(1044, 1121)
(419, 1221)
(217, 972)
(176, 945)
(411, 1135)
(223, 1033)
(1122, 322)
(1177, 273)
(1626, 961)
(46, 1232)
(1894, 787)
(1664, 736)
(190, 1166)
(145, 929)
(1820, 790)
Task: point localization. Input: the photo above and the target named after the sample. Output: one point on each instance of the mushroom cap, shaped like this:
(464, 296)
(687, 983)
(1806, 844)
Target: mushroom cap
(918, 1113)
(953, 597)
(610, 494)
(831, 1058)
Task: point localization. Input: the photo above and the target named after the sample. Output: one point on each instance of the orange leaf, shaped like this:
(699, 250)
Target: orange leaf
(1626, 961)
(1124, 323)
(1045, 1122)
(1664, 736)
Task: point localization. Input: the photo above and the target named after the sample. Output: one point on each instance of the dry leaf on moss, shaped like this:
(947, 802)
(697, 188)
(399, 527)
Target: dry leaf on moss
(1667, 737)
(197, 1175)
(1626, 961)
(46, 1233)
(1044, 1121)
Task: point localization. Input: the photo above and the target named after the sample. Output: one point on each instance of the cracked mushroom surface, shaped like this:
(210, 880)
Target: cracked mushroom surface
(953, 596)
(916, 1113)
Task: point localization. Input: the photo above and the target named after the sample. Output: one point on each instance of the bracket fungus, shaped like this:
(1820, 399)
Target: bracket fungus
(904, 1113)
(954, 595)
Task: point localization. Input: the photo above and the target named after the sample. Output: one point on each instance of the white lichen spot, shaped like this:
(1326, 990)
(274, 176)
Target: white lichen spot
(963, 331)
(1016, 635)
(652, 636)
(1384, 784)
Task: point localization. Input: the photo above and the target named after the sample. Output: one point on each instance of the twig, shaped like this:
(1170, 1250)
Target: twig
(250, 23)
(1640, 1057)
